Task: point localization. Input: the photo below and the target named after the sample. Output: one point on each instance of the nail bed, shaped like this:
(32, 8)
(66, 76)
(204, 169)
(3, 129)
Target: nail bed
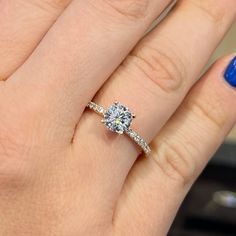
(230, 73)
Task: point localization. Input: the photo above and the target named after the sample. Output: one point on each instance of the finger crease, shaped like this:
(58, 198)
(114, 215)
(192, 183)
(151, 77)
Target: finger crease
(200, 109)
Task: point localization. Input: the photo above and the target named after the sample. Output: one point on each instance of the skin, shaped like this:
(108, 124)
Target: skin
(61, 171)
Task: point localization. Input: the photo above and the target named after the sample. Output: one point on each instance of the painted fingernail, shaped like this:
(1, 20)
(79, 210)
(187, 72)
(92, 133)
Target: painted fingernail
(230, 73)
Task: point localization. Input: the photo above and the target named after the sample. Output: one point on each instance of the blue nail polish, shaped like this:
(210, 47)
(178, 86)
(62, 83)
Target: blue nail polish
(230, 73)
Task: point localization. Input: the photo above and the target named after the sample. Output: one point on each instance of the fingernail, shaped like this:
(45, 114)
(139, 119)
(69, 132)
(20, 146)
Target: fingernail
(230, 73)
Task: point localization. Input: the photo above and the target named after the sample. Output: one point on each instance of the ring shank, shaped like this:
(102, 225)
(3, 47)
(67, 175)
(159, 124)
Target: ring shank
(138, 140)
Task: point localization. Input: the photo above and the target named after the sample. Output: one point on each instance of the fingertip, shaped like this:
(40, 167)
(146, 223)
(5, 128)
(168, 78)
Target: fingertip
(216, 86)
(224, 70)
(230, 73)
(223, 62)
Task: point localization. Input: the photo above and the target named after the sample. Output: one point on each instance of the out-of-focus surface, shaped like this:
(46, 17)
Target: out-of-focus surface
(232, 135)
(210, 207)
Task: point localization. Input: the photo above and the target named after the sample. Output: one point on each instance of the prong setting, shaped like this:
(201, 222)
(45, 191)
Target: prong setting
(118, 118)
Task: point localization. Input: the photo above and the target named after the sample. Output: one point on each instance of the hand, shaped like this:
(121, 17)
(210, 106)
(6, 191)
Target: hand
(62, 173)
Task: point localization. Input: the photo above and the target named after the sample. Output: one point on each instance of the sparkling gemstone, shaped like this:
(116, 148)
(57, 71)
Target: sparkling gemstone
(118, 118)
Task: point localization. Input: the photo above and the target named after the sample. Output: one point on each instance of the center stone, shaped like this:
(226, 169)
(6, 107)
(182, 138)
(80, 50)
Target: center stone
(118, 118)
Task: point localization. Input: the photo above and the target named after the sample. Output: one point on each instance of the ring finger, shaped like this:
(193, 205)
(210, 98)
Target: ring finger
(155, 78)
(75, 61)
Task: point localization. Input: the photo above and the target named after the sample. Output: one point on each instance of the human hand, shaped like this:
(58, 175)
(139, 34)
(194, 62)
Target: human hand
(62, 173)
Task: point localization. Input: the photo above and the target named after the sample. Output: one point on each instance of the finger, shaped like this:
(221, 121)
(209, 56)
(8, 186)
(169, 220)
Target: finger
(23, 24)
(155, 78)
(76, 60)
(157, 185)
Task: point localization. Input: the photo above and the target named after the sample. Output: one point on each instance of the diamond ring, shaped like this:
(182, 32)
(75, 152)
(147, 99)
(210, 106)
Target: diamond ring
(118, 118)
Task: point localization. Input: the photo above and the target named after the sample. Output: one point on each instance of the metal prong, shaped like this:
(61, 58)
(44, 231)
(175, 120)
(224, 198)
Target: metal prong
(116, 102)
(103, 121)
(120, 132)
(133, 115)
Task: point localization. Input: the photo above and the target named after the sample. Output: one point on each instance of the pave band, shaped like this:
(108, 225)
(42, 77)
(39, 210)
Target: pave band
(118, 118)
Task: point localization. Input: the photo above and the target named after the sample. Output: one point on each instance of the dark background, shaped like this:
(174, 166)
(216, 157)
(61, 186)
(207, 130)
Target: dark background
(202, 215)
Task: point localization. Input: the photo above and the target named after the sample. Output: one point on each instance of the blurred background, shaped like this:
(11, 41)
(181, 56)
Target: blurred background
(210, 207)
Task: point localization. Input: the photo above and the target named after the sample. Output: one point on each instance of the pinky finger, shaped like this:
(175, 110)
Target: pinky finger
(157, 185)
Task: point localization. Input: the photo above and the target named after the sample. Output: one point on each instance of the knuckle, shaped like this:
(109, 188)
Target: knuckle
(48, 4)
(208, 110)
(13, 167)
(133, 9)
(159, 68)
(213, 11)
(174, 159)
(15, 144)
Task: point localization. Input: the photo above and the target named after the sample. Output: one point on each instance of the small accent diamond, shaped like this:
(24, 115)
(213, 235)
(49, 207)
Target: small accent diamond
(96, 108)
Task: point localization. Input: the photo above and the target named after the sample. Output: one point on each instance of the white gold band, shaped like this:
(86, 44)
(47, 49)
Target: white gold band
(131, 133)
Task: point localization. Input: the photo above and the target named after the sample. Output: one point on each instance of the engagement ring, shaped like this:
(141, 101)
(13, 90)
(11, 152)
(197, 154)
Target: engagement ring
(118, 118)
